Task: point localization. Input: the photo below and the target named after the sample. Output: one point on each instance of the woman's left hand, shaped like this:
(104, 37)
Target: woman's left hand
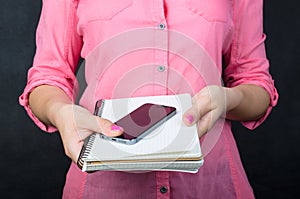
(207, 107)
(244, 102)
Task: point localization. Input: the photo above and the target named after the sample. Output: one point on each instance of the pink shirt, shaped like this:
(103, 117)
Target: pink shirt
(154, 48)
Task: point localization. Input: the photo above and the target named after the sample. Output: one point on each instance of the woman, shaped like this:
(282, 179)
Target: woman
(228, 30)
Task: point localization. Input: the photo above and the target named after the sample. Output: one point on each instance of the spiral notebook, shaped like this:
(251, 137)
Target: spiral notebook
(171, 147)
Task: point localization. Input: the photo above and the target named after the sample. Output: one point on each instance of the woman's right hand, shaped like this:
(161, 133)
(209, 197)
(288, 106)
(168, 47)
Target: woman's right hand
(75, 123)
(52, 106)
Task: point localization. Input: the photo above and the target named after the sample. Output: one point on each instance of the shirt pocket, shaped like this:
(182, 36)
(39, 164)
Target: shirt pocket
(211, 10)
(102, 9)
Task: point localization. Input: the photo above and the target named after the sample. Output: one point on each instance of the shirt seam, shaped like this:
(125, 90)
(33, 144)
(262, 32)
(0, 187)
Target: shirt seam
(68, 31)
(235, 27)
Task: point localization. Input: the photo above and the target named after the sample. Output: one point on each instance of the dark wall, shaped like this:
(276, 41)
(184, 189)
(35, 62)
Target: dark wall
(271, 153)
(33, 164)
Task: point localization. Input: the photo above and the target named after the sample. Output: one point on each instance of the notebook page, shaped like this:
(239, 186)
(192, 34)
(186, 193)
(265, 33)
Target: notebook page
(172, 138)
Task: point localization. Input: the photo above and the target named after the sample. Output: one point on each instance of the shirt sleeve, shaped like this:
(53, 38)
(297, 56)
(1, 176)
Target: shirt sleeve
(58, 47)
(246, 61)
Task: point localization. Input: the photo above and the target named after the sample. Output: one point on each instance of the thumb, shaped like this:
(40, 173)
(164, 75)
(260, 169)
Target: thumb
(200, 106)
(107, 128)
(191, 116)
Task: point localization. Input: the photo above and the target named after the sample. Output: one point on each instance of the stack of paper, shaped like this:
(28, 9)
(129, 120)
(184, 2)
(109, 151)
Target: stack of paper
(172, 146)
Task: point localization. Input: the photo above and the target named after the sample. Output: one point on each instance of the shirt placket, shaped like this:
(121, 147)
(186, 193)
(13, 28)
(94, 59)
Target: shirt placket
(161, 48)
(161, 78)
(162, 185)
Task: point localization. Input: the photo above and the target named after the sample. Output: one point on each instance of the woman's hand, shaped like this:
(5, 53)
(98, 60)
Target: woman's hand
(243, 102)
(53, 107)
(75, 123)
(207, 107)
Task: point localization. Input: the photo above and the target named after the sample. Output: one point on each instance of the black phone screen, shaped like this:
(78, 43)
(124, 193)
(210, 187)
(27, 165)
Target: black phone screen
(142, 119)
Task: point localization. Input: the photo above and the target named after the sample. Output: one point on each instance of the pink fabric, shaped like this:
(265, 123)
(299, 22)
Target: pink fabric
(233, 29)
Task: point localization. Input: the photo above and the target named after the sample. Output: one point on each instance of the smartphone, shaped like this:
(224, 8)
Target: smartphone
(141, 122)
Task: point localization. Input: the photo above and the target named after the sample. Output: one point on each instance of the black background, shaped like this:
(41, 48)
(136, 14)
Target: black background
(33, 164)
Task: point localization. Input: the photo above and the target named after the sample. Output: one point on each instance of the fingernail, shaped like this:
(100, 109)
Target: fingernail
(190, 118)
(116, 128)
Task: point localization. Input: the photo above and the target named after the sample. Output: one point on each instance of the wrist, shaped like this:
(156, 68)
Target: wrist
(234, 97)
(56, 112)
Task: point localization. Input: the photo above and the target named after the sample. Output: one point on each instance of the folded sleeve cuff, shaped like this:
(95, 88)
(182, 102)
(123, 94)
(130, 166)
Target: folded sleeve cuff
(270, 88)
(24, 100)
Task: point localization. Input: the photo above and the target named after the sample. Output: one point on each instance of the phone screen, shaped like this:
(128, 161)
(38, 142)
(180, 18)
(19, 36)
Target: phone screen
(142, 119)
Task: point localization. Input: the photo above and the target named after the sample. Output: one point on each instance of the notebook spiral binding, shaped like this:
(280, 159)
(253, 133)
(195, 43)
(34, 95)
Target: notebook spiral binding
(89, 141)
(85, 151)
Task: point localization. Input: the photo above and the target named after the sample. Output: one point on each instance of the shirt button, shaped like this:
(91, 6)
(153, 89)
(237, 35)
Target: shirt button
(163, 189)
(161, 26)
(161, 68)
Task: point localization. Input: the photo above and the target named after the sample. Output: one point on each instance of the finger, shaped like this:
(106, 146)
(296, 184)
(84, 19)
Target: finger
(88, 123)
(83, 134)
(200, 106)
(108, 128)
(203, 125)
(72, 145)
(191, 116)
(75, 151)
(207, 122)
